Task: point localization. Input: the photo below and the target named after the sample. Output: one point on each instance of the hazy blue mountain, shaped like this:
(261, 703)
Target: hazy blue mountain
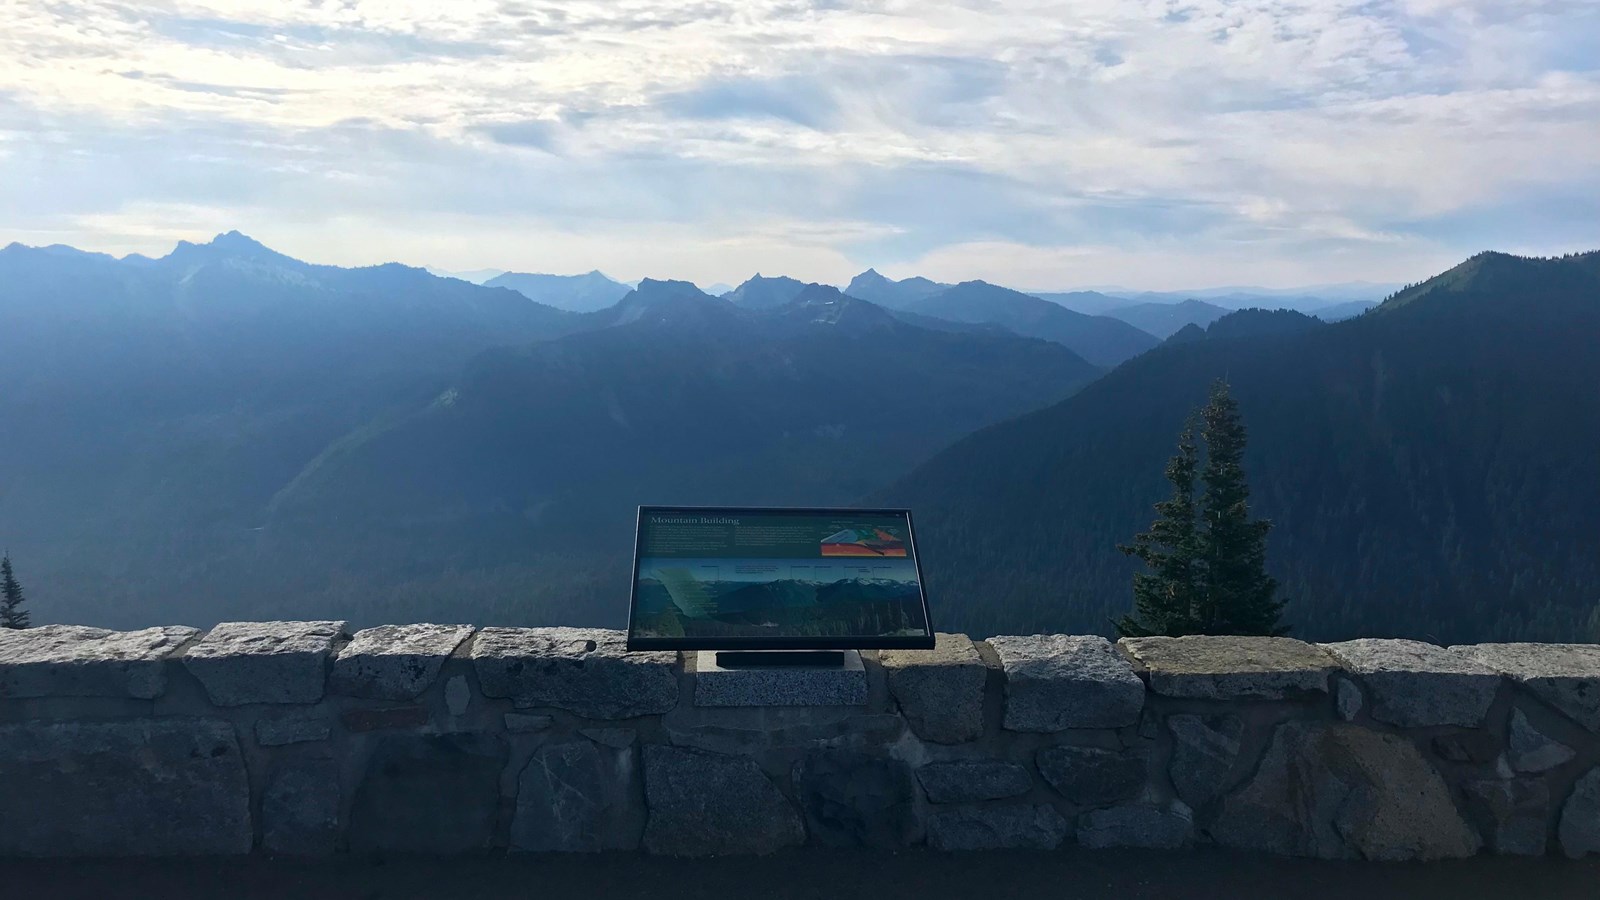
(875, 288)
(718, 289)
(764, 293)
(1338, 312)
(1100, 340)
(476, 276)
(1092, 303)
(1429, 467)
(1164, 319)
(576, 293)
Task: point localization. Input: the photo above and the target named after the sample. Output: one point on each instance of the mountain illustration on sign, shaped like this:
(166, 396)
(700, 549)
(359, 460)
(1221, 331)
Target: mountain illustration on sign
(863, 542)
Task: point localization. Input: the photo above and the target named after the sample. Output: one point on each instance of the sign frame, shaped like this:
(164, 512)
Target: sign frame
(860, 642)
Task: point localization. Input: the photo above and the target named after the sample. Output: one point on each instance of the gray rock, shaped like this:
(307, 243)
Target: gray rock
(1417, 685)
(78, 661)
(1055, 682)
(1567, 676)
(1580, 817)
(1135, 826)
(853, 799)
(1348, 700)
(574, 797)
(239, 663)
(586, 671)
(1515, 814)
(973, 780)
(1341, 791)
(1204, 750)
(1218, 668)
(145, 787)
(754, 731)
(940, 691)
(615, 738)
(996, 828)
(1089, 776)
(708, 804)
(429, 794)
(291, 730)
(1531, 751)
(524, 723)
(457, 696)
(300, 809)
(1466, 746)
(714, 685)
(395, 662)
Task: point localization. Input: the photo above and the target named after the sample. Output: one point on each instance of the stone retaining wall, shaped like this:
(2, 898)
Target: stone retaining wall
(300, 738)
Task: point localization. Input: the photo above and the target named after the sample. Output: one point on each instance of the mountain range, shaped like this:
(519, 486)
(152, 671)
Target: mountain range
(575, 293)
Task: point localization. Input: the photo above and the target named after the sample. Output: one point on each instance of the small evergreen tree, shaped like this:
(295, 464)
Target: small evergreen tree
(1166, 597)
(12, 615)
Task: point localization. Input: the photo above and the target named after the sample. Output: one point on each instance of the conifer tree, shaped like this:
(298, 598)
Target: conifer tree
(12, 615)
(1166, 597)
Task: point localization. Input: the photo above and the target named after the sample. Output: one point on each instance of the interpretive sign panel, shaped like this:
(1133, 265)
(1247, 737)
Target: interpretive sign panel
(781, 579)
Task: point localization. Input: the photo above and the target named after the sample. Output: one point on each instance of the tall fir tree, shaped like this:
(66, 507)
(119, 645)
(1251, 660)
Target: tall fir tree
(1166, 597)
(12, 615)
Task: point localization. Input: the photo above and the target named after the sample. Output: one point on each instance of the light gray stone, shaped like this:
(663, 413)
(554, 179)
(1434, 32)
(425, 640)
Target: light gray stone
(283, 730)
(145, 787)
(457, 696)
(1515, 813)
(1149, 827)
(996, 828)
(714, 685)
(300, 809)
(1336, 790)
(1418, 685)
(973, 780)
(1204, 750)
(583, 670)
(395, 662)
(940, 691)
(856, 799)
(1089, 776)
(1531, 751)
(1055, 682)
(1567, 676)
(615, 738)
(1580, 817)
(1348, 700)
(573, 797)
(1218, 667)
(708, 804)
(434, 794)
(239, 663)
(524, 723)
(78, 661)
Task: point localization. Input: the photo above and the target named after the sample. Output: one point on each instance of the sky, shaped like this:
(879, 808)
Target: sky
(1156, 144)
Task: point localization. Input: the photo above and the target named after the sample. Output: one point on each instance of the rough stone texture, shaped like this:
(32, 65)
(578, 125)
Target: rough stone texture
(1567, 676)
(996, 828)
(300, 809)
(395, 662)
(1338, 790)
(1204, 749)
(1531, 751)
(615, 738)
(240, 663)
(146, 787)
(524, 723)
(457, 696)
(78, 661)
(779, 686)
(574, 797)
(973, 780)
(429, 794)
(1089, 776)
(1135, 826)
(1217, 668)
(708, 804)
(1417, 685)
(1580, 817)
(854, 799)
(940, 691)
(291, 730)
(583, 670)
(755, 731)
(1348, 700)
(1466, 746)
(360, 720)
(1515, 814)
(1055, 682)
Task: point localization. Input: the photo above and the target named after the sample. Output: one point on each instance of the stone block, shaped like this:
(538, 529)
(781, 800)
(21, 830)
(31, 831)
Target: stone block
(708, 804)
(1089, 776)
(363, 719)
(1515, 814)
(1580, 817)
(1418, 685)
(845, 685)
(940, 691)
(300, 809)
(239, 663)
(996, 828)
(1055, 682)
(1204, 751)
(1218, 667)
(457, 696)
(429, 794)
(283, 730)
(854, 799)
(78, 661)
(1566, 676)
(395, 662)
(1148, 827)
(583, 670)
(615, 738)
(1335, 790)
(973, 780)
(1348, 700)
(525, 723)
(1466, 746)
(147, 787)
(574, 797)
(1531, 751)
